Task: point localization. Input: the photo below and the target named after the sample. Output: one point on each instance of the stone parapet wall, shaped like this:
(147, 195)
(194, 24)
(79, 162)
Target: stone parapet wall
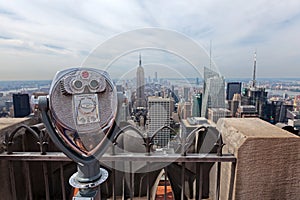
(268, 160)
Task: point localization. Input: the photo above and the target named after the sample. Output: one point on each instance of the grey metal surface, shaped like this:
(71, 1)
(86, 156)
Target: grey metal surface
(76, 184)
(58, 156)
(82, 116)
(61, 104)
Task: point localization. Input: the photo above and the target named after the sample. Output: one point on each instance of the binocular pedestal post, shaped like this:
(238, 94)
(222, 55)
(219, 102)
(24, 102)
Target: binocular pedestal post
(87, 179)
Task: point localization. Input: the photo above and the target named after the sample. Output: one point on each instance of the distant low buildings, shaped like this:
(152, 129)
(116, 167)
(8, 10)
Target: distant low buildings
(189, 124)
(294, 119)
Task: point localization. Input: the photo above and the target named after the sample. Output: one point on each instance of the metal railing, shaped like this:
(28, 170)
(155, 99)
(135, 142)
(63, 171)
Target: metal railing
(175, 169)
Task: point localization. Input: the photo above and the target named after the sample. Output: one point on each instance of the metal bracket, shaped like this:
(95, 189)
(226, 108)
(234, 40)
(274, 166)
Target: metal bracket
(8, 141)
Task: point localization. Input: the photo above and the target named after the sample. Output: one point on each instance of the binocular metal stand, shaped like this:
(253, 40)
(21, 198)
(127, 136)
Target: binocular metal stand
(87, 179)
(89, 175)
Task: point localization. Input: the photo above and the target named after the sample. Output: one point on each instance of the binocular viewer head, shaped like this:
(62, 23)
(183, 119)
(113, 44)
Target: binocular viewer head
(83, 107)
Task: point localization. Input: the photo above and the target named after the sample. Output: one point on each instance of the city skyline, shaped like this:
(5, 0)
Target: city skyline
(35, 38)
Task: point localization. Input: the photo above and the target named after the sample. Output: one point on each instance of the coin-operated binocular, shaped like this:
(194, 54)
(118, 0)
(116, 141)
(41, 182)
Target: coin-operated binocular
(79, 114)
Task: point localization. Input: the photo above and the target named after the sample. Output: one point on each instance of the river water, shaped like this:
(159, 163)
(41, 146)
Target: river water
(281, 92)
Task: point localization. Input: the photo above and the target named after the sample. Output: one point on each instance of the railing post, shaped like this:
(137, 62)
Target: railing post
(220, 146)
(63, 189)
(218, 180)
(199, 181)
(12, 180)
(148, 182)
(183, 181)
(113, 177)
(232, 177)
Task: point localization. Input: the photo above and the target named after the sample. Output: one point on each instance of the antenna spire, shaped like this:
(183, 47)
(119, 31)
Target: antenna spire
(210, 55)
(140, 60)
(254, 72)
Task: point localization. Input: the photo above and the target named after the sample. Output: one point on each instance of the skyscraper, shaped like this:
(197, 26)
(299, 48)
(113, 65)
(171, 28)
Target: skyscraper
(233, 88)
(187, 110)
(197, 81)
(235, 103)
(21, 105)
(140, 85)
(186, 93)
(123, 107)
(155, 77)
(257, 97)
(197, 104)
(276, 111)
(214, 91)
(208, 73)
(158, 116)
(253, 85)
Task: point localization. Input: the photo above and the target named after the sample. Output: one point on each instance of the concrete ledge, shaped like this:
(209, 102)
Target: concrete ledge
(8, 122)
(268, 160)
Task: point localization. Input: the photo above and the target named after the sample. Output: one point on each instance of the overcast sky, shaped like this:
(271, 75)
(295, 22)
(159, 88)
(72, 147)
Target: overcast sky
(37, 38)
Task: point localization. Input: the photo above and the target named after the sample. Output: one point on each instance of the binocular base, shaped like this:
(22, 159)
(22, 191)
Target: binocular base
(87, 190)
(83, 198)
(86, 185)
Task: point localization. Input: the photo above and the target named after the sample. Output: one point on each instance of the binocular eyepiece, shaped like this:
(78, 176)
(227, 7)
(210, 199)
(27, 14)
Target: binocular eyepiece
(83, 106)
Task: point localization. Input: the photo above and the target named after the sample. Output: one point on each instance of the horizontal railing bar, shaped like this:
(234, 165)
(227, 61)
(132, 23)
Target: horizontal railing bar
(165, 158)
(171, 157)
(35, 156)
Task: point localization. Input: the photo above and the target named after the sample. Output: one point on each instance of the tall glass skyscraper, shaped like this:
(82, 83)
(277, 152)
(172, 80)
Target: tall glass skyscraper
(233, 88)
(196, 105)
(214, 91)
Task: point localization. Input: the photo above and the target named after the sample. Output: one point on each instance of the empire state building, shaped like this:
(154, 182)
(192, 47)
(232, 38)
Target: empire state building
(140, 85)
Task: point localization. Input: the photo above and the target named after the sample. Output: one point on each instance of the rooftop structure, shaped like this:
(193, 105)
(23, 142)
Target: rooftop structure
(214, 114)
(246, 111)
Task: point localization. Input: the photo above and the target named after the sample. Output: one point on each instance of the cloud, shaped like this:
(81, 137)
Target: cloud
(5, 37)
(6, 12)
(54, 47)
(236, 28)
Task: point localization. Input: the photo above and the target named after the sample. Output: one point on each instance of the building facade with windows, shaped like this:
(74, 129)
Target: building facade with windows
(159, 113)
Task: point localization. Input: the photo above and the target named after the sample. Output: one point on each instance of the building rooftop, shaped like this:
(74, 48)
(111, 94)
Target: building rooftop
(154, 98)
(255, 127)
